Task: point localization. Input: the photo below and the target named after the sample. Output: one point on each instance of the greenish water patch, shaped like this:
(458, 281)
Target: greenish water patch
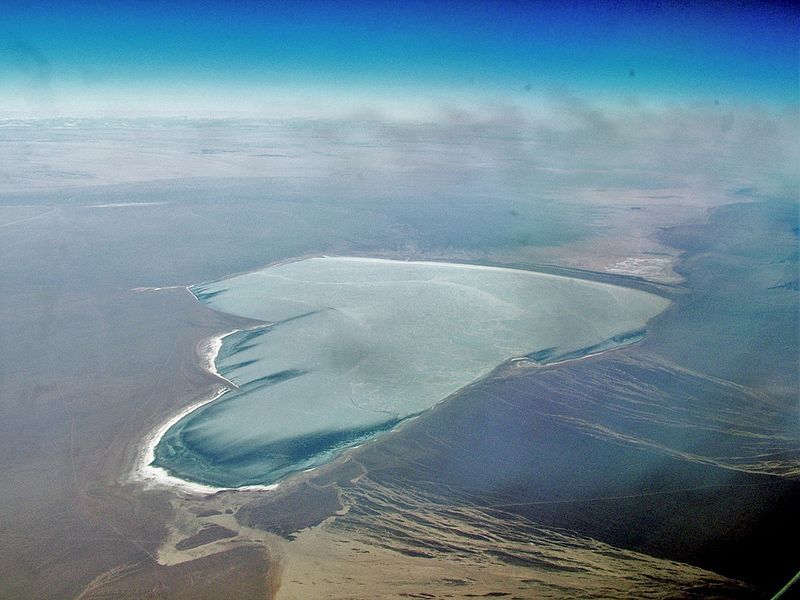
(356, 346)
(551, 355)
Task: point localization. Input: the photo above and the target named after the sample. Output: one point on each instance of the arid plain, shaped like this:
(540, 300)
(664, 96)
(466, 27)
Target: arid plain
(663, 469)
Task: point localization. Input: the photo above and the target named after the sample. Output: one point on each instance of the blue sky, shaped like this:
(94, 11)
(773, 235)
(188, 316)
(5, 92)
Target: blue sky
(58, 57)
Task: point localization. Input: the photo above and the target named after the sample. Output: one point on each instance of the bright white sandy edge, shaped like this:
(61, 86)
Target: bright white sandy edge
(145, 472)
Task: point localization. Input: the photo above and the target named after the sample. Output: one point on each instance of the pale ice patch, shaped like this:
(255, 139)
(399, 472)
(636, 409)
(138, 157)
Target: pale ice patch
(356, 345)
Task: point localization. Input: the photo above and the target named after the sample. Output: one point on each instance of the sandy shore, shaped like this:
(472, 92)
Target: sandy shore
(208, 350)
(145, 472)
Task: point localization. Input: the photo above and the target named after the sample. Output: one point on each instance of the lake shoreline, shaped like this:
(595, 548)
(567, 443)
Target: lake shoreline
(209, 349)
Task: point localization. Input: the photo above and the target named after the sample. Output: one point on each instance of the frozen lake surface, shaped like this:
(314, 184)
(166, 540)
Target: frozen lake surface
(354, 346)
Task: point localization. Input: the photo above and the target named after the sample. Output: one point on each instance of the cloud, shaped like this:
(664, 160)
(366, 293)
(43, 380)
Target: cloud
(555, 146)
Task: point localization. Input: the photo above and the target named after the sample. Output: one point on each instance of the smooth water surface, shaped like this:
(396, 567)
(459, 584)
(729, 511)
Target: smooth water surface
(354, 346)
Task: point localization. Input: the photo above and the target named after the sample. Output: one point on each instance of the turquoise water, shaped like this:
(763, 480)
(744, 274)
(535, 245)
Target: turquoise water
(353, 346)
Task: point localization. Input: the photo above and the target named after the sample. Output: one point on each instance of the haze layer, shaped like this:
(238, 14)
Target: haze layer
(355, 346)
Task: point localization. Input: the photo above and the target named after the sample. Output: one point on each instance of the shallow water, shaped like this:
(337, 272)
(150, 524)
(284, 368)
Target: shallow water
(354, 346)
